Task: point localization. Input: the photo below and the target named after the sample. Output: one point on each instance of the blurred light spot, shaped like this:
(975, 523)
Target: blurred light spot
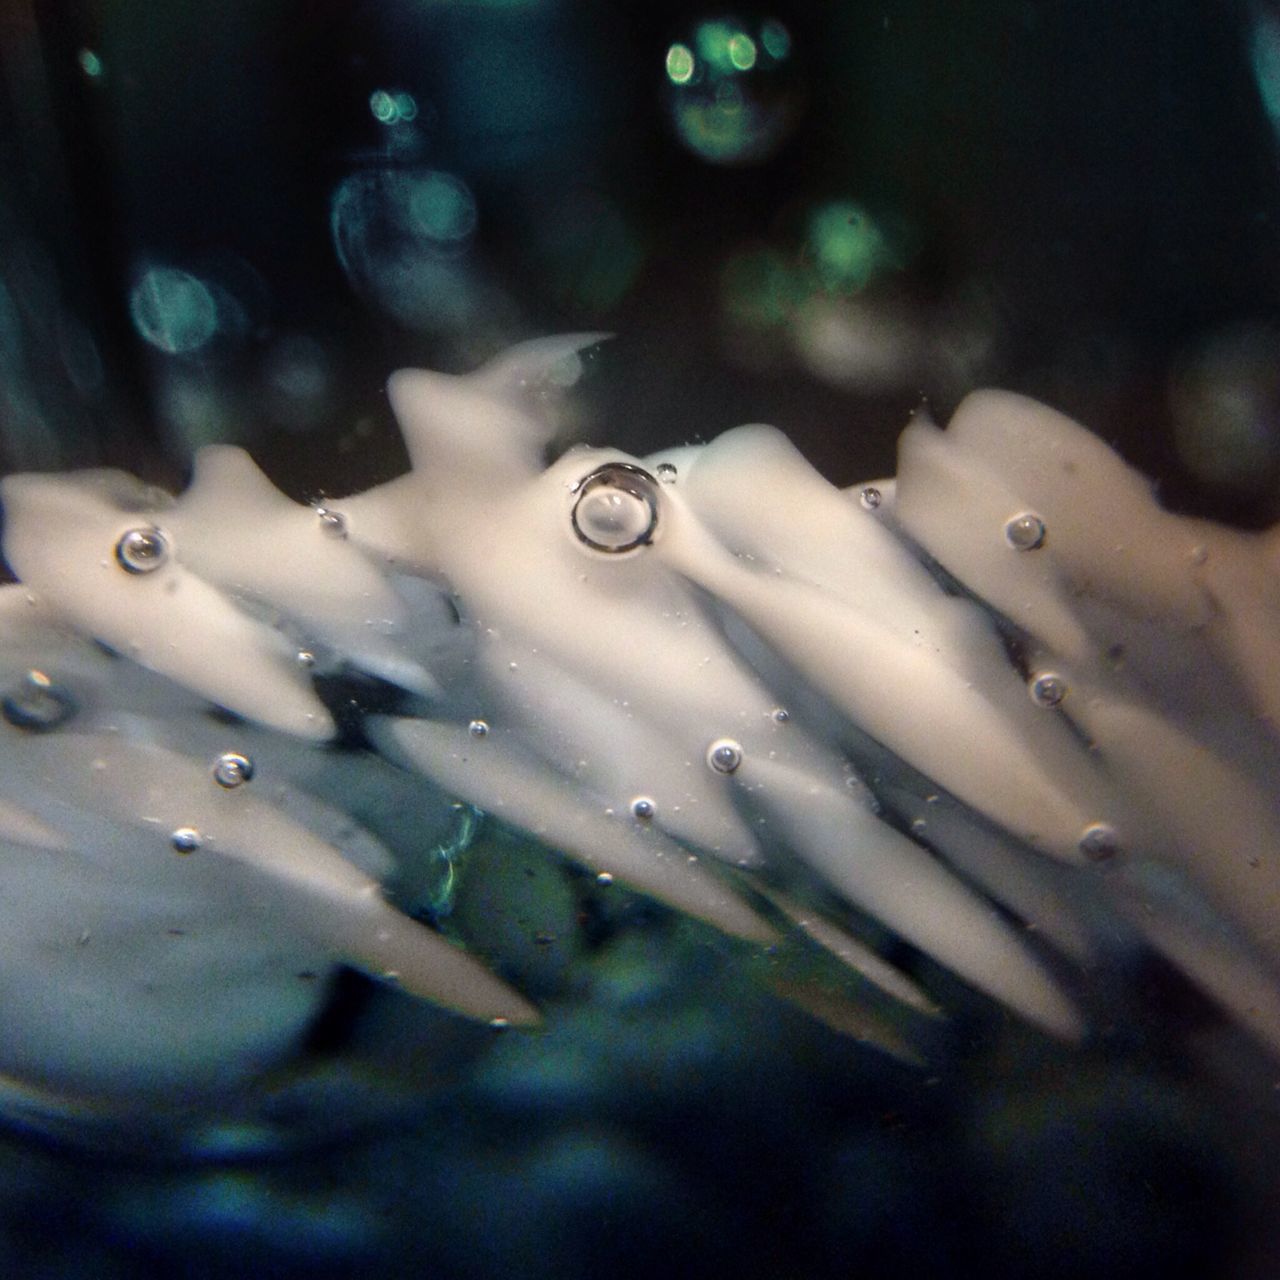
(732, 102)
(1265, 55)
(742, 51)
(680, 64)
(90, 63)
(393, 108)
(859, 346)
(848, 247)
(173, 311)
(714, 41)
(776, 39)
(396, 232)
(297, 381)
(1225, 403)
(443, 208)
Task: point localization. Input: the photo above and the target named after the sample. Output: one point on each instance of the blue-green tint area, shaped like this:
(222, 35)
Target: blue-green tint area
(442, 207)
(848, 247)
(90, 63)
(173, 311)
(680, 64)
(1265, 56)
(776, 39)
(393, 108)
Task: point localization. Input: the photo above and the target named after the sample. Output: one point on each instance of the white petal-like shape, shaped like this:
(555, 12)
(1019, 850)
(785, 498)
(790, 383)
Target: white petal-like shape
(60, 538)
(880, 871)
(502, 779)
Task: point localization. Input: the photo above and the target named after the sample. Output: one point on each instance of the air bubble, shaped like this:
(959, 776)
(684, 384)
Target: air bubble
(870, 497)
(142, 550)
(781, 715)
(185, 840)
(1025, 532)
(305, 658)
(37, 704)
(478, 729)
(643, 808)
(334, 523)
(666, 472)
(616, 508)
(1099, 842)
(1048, 689)
(604, 879)
(231, 769)
(724, 755)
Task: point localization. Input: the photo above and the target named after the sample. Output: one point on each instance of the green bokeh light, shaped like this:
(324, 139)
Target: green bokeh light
(742, 51)
(90, 63)
(442, 208)
(849, 249)
(680, 64)
(392, 108)
(713, 40)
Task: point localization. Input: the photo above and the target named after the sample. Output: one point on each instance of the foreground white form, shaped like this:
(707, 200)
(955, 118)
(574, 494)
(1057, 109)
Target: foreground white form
(709, 674)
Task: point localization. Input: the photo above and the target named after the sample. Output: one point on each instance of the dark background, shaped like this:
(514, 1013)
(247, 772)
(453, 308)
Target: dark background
(207, 232)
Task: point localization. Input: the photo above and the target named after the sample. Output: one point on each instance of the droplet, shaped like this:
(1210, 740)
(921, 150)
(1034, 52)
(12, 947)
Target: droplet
(1048, 689)
(666, 472)
(231, 769)
(305, 658)
(185, 840)
(724, 755)
(1025, 532)
(781, 715)
(604, 879)
(871, 497)
(499, 1024)
(1199, 554)
(1099, 842)
(919, 825)
(643, 808)
(478, 729)
(37, 704)
(334, 523)
(616, 508)
(142, 550)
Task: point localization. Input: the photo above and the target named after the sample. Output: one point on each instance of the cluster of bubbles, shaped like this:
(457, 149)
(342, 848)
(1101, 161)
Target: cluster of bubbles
(733, 92)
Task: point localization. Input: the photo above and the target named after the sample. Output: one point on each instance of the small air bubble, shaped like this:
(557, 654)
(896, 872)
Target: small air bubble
(781, 715)
(142, 550)
(305, 658)
(604, 879)
(1025, 532)
(1199, 554)
(666, 472)
(334, 523)
(231, 769)
(870, 497)
(918, 825)
(1099, 842)
(185, 840)
(37, 704)
(724, 755)
(1048, 689)
(478, 729)
(499, 1024)
(616, 508)
(643, 808)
